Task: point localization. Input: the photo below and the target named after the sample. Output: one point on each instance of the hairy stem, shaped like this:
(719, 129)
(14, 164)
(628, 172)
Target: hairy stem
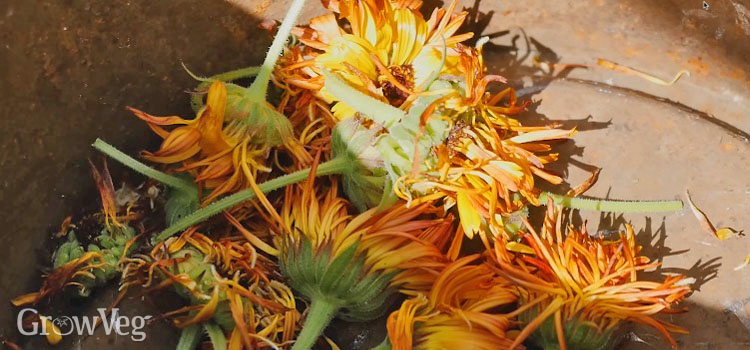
(216, 335)
(618, 206)
(259, 87)
(197, 99)
(334, 166)
(169, 180)
(189, 338)
(319, 315)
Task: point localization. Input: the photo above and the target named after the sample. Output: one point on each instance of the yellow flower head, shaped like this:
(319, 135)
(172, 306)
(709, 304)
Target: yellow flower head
(386, 50)
(585, 287)
(459, 312)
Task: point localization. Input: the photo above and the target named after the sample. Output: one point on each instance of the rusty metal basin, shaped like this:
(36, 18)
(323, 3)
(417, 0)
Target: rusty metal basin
(68, 69)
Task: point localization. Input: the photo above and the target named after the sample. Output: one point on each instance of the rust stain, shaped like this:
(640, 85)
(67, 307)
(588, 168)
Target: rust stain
(698, 66)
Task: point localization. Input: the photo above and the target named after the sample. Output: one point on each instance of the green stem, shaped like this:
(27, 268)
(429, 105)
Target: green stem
(216, 335)
(189, 338)
(618, 206)
(197, 100)
(259, 88)
(336, 165)
(132, 163)
(236, 74)
(319, 315)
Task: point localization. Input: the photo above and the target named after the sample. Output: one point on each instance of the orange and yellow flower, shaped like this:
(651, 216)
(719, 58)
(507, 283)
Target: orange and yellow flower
(488, 164)
(228, 281)
(386, 49)
(410, 242)
(209, 147)
(588, 286)
(459, 312)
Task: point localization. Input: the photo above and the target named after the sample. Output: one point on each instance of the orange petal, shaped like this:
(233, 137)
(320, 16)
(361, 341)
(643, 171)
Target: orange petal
(25, 299)
(211, 121)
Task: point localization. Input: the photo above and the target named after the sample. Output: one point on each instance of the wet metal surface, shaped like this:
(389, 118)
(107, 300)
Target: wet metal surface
(69, 67)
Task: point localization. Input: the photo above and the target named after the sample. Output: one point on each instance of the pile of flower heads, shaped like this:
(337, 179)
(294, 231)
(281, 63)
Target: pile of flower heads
(373, 167)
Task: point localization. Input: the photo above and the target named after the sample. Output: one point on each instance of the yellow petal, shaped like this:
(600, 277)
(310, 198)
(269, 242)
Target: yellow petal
(543, 135)
(724, 233)
(54, 335)
(470, 219)
(744, 263)
(519, 248)
(206, 312)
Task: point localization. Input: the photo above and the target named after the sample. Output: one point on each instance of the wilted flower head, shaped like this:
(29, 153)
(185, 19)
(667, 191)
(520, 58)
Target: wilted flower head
(233, 288)
(488, 162)
(585, 288)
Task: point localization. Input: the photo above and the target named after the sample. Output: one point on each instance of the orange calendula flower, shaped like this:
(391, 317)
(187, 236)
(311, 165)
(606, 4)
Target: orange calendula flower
(489, 161)
(351, 265)
(459, 312)
(234, 289)
(588, 287)
(221, 158)
(387, 50)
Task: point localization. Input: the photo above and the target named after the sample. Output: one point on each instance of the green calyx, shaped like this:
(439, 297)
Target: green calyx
(257, 118)
(336, 286)
(343, 280)
(579, 334)
(248, 111)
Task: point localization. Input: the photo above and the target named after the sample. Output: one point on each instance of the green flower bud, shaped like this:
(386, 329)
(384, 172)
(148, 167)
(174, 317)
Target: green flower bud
(67, 251)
